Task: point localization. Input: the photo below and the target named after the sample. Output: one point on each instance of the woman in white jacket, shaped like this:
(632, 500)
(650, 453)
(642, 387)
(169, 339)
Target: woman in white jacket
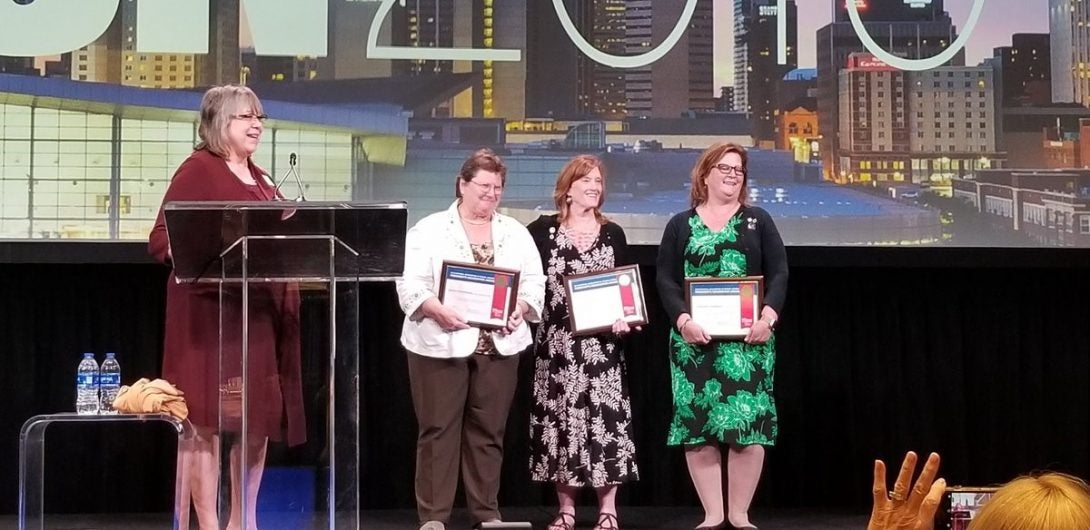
(463, 378)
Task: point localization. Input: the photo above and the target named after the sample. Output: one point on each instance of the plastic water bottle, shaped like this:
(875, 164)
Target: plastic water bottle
(109, 384)
(87, 385)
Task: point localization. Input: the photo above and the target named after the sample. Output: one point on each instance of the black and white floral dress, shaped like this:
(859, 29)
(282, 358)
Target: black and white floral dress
(581, 419)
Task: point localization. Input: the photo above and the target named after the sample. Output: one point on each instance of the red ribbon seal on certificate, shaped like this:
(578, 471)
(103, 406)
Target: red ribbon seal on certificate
(499, 295)
(628, 301)
(749, 313)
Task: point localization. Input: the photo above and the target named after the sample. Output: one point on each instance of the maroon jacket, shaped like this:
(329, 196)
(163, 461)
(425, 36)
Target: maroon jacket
(191, 341)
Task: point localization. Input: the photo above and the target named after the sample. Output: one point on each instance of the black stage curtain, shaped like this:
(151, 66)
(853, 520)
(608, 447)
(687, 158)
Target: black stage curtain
(987, 365)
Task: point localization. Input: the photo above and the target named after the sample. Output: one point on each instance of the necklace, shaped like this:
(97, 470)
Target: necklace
(582, 226)
(582, 240)
(467, 221)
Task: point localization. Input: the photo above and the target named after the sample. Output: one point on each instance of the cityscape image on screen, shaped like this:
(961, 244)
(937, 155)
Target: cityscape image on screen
(381, 100)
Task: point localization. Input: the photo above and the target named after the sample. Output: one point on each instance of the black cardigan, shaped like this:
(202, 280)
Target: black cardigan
(762, 246)
(545, 227)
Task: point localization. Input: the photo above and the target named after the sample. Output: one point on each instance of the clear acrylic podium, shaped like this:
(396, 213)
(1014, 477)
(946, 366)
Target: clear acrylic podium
(286, 275)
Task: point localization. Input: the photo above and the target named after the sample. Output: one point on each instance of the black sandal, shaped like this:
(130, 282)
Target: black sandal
(561, 521)
(607, 518)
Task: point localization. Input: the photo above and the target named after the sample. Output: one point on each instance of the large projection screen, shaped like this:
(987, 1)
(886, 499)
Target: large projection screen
(869, 122)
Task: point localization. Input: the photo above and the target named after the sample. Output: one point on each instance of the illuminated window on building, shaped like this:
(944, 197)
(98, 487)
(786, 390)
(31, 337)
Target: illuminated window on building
(58, 179)
(55, 192)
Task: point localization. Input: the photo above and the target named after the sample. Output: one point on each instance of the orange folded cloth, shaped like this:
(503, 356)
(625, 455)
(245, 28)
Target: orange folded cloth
(146, 396)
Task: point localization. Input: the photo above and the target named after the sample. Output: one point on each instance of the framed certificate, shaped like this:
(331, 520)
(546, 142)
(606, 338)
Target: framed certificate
(598, 299)
(725, 307)
(481, 294)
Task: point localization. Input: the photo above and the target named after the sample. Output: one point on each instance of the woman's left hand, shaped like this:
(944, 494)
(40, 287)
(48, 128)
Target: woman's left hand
(905, 508)
(621, 328)
(759, 333)
(515, 319)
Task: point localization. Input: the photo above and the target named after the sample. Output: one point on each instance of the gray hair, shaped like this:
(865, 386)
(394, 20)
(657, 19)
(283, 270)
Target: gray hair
(218, 107)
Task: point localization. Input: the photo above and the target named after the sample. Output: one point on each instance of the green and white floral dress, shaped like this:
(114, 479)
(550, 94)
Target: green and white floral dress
(722, 390)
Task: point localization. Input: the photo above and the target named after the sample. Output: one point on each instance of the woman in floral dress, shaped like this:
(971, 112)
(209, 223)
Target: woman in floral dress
(581, 422)
(722, 388)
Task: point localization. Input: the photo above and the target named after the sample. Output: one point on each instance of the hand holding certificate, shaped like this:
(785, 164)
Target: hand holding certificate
(725, 307)
(484, 296)
(597, 300)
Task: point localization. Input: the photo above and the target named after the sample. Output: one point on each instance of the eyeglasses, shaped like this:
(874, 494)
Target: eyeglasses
(251, 117)
(488, 188)
(727, 169)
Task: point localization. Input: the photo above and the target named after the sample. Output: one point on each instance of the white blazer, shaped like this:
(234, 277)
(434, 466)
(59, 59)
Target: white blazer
(440, 236)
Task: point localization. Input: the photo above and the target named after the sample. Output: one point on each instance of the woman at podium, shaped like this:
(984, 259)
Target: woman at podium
(221, 169)
(462, 355)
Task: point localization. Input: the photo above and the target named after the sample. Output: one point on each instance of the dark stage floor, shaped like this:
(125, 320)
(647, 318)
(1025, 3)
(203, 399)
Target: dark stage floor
(631, 518)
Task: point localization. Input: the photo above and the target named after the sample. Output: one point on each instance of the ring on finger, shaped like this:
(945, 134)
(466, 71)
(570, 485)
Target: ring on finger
(896, 496)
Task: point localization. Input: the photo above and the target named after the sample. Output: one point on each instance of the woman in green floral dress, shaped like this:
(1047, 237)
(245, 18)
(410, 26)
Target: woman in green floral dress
(722, 388)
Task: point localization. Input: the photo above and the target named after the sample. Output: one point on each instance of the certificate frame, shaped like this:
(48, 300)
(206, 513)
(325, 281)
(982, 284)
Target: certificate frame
(745, 293)
(462, 283)
(590, 295)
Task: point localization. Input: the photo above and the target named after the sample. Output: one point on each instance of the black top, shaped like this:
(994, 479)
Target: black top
(547, 225)
(765, 256)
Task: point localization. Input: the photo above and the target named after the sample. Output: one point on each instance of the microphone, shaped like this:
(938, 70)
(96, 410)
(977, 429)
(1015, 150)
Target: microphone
(293, 160)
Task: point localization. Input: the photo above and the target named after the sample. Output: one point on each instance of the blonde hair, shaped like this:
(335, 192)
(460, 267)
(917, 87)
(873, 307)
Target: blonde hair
(698, 191)
(1052, 501)
(574, 170)
(219, 106)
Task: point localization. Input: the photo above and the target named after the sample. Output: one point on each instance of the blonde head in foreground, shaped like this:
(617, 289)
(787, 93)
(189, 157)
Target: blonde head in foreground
(1052, 501)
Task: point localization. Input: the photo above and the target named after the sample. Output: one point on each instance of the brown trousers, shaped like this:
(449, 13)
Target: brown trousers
(461, 412)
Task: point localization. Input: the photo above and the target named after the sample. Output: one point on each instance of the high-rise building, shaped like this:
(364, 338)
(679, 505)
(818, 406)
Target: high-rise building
(424, 24)
(275, 68)
(874, 132)
(923, 127)
(891, 10)
(561, 81)
(349, 22)
(152, 70)
(725, 103)
(1025, 70)
(1070, 51)
(500, 25)
(102, 61)
(223, 62)
(914, 39)
(479, 24)
(953, 122)
(682, 80)
(553, 64)
(113, 57)
(757, 72)
(432, 24)
(602, 87)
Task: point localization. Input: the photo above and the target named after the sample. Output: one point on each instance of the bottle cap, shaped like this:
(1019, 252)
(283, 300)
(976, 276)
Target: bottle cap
(88, 355)
(110, 355)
